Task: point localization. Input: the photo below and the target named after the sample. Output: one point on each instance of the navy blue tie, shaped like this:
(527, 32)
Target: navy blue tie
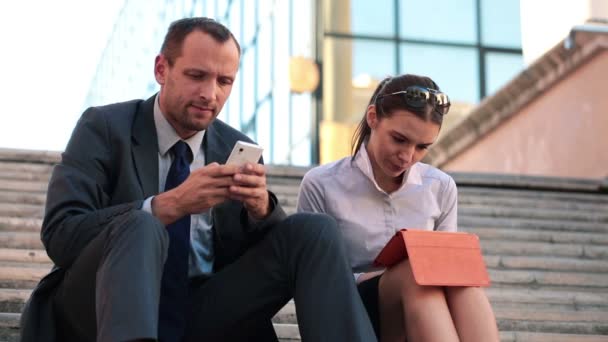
(174, 284)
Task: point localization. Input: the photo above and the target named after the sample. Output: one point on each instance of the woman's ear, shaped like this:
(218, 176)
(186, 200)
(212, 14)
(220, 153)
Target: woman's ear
(371, 116)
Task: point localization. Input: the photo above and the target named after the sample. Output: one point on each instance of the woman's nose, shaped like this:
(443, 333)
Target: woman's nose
(406, 154)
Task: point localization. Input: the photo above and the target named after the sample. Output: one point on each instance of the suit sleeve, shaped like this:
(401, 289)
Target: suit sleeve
(78, 201)
(261, 226)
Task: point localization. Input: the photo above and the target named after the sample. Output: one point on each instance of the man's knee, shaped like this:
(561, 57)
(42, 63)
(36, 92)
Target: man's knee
(320, 228)
(139, 227)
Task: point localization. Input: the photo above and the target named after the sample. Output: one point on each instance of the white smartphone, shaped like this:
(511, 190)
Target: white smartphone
(244, 152)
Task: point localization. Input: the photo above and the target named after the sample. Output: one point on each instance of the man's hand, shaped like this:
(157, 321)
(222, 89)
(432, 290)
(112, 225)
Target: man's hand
(204, 188)
(250, 188)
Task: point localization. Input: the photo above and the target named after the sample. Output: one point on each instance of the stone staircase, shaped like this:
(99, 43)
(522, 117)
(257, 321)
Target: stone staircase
(545, 242)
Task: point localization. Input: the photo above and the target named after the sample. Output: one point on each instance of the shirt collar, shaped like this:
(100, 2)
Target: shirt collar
(167, 136)
(411, 176)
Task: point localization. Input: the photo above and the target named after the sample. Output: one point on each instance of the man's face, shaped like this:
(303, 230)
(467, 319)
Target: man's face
(194, 90)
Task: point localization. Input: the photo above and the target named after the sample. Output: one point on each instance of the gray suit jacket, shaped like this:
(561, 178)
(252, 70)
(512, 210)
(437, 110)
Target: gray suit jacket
(109, 167)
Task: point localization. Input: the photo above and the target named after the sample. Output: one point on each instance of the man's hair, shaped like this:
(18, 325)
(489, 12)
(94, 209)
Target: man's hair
(179, 29)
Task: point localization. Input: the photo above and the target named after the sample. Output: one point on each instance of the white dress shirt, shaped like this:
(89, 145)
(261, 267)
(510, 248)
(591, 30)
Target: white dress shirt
(201, 237)
(367, 216)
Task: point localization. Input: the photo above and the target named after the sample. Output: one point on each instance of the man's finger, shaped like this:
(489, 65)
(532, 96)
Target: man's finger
(246, 191)
(249, 180)
(254, 169)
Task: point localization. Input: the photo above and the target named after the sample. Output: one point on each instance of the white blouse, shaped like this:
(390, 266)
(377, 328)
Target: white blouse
(367, 216)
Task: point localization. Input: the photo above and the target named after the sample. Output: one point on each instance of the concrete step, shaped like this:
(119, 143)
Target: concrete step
(24, 175)
(534, 213)
(540, 195)
(548, 263)
(537, 279)
(550, 236)
(588, 325)
(500, 297)
(287, 332)
(9, 327)
(19, 197)
(522, 202)
(287, 190)
(518, 248)
(472, 221)
(523, 336)
(499, 197)
(22, 275)
(24, 255)
(25, 167)
(567, 321)
(26, 186)
(20, 240)
(576, 300)
(20, 224)
(554, 327)
(287, 201)
(13, 300)
(21, 210)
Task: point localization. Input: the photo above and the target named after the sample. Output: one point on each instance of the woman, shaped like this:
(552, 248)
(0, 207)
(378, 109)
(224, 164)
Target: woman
(384, 187)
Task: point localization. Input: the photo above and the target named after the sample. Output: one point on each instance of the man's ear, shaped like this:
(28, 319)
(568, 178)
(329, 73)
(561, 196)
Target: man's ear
(371, 116)
(160, 69)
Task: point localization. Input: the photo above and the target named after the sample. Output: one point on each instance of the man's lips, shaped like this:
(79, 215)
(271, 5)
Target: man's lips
(202, 108)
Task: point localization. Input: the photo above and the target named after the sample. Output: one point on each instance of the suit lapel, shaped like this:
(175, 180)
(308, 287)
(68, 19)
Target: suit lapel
(145, 148)
(216, 149)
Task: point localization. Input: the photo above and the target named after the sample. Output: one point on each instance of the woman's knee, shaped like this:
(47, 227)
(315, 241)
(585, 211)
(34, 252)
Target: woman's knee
(400, 279)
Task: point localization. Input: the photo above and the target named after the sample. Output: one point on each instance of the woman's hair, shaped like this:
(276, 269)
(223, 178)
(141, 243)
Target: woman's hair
(386, 106)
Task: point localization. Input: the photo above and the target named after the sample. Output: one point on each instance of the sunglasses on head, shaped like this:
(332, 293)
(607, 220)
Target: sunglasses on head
(418, 97)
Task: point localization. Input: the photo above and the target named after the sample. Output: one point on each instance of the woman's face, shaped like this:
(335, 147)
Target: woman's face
(397, 142)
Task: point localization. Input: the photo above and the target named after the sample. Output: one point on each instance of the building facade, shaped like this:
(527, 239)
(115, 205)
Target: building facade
(469, 47)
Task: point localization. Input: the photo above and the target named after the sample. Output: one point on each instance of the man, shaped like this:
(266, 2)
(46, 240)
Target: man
(154, 238)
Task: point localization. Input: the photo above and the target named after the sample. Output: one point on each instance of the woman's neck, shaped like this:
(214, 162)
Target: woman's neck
(385, 182)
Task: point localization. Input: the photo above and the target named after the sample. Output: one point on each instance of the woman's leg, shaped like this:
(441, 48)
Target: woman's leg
(419, 313)
(472, 314)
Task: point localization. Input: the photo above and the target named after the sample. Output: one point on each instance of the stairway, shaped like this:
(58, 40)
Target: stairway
(545, 242)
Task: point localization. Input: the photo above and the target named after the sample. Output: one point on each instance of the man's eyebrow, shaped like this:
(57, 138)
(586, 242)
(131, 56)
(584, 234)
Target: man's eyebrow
(187, 70)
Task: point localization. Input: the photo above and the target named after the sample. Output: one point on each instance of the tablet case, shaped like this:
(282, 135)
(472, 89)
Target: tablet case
(437, 258)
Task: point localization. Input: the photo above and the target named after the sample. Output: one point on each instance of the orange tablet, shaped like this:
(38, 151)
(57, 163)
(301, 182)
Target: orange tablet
(438, 258)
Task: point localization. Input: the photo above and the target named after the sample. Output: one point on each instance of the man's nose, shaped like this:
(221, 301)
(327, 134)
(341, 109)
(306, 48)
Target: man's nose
(208, 89)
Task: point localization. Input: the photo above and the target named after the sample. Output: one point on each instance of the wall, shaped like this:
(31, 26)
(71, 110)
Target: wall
(563, 133)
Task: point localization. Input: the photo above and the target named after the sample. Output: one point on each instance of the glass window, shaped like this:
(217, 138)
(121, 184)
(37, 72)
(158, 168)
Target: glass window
(351, 70)
(263, 129)
(264, 66)
(249, 21)
(500, 24)
(500, 69)
(233, 105)
(222, 8)
(301, 119)
(366, 17)
(248, 72)
(455, 69)
(234, 20)
(374, 58)
(438, 20)
(265, 8)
